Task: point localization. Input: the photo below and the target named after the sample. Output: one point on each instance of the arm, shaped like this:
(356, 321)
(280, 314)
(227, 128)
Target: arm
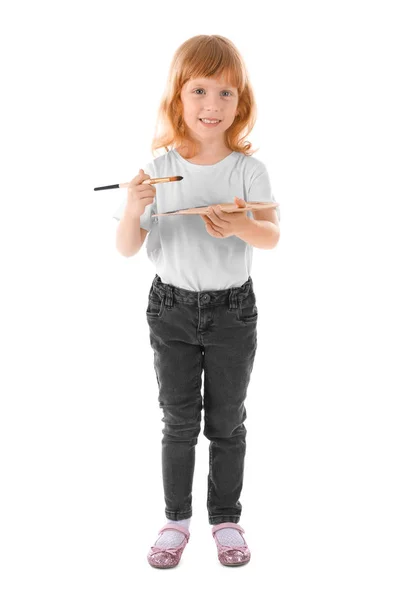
(259, 233)
(130, 236)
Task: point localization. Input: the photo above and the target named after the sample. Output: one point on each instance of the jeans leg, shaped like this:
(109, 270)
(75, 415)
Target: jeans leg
(178, 366)
(228, 365)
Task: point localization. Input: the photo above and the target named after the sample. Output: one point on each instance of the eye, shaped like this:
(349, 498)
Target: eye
(197, 89)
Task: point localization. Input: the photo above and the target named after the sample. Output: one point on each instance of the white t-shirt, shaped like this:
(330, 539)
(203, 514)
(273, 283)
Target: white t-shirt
(183, 253)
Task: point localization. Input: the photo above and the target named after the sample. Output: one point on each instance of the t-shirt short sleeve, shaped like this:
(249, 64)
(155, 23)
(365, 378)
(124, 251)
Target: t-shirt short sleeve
(146, 220)
(260, 188)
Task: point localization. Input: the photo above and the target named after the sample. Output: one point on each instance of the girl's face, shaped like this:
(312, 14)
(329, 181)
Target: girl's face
(210, 99)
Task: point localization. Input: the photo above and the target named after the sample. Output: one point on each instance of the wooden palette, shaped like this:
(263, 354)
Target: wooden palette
(230, 207)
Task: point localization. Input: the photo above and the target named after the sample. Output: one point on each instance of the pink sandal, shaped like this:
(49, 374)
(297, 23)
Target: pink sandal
(231, 556)
(165, 558)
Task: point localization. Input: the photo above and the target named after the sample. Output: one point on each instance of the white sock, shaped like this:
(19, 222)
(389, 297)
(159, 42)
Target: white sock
(170, 538)
(228, 536)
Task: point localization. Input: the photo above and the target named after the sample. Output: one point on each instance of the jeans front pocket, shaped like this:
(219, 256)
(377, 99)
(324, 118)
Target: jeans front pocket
(248, 312)
(155, 306)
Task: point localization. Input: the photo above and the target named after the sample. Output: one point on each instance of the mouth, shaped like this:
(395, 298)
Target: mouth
(212, 124)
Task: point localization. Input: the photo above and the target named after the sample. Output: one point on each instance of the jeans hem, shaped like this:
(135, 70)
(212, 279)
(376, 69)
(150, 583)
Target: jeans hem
(178, 516)
(223, 519)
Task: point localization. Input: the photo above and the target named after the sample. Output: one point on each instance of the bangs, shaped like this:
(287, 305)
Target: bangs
(215, 61)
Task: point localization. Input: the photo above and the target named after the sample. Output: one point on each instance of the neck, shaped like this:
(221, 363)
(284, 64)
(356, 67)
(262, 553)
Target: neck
(205, 152)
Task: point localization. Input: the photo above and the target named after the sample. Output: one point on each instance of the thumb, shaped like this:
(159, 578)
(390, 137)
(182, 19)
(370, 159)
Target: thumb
(240, 201)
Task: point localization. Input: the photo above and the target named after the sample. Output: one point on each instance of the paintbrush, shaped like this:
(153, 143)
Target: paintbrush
(150, 181)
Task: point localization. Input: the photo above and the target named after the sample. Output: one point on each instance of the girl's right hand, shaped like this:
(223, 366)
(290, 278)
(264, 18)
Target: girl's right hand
(139, 195)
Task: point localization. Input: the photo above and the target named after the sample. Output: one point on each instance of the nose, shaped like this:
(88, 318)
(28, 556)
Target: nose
(212, 101)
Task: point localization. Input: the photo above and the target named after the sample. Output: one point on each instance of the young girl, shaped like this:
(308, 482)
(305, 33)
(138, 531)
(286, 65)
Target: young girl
(202, 312)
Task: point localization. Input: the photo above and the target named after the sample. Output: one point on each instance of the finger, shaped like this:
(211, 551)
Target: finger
(141, 176)
(220, 214)
(212, 215)
(146, 186)
(210, 225)
(216, 230)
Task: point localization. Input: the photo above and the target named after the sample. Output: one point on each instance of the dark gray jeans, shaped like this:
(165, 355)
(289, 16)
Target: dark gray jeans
(214, 331)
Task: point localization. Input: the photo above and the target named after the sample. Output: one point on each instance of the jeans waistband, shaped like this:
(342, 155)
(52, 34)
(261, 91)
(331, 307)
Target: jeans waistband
(172, 293)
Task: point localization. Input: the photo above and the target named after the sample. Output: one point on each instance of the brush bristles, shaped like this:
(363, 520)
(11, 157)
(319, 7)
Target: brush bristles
(177, 178)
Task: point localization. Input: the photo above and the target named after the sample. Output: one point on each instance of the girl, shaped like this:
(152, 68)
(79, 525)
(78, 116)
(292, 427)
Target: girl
(202, 312)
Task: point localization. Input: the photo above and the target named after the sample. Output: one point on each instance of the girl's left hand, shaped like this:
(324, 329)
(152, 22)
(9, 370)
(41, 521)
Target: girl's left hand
(221, 224)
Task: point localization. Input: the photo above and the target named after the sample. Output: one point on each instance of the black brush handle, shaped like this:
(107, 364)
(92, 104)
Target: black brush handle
(107, 187)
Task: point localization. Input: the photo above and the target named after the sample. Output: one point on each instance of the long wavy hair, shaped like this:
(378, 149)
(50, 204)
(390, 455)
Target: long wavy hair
(205, 56)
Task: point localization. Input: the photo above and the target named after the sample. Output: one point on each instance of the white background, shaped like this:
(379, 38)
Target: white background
(80, 433)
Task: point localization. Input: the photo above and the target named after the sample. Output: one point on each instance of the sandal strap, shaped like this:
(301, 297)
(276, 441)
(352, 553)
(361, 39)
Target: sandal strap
(229, 525)
(176, 528)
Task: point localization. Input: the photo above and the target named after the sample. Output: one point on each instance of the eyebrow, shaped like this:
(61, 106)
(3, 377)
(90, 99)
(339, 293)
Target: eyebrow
(197, 82)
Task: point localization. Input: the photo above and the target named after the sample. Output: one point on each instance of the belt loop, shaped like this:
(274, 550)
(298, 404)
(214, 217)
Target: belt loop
(233, 303)
(169, 301)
